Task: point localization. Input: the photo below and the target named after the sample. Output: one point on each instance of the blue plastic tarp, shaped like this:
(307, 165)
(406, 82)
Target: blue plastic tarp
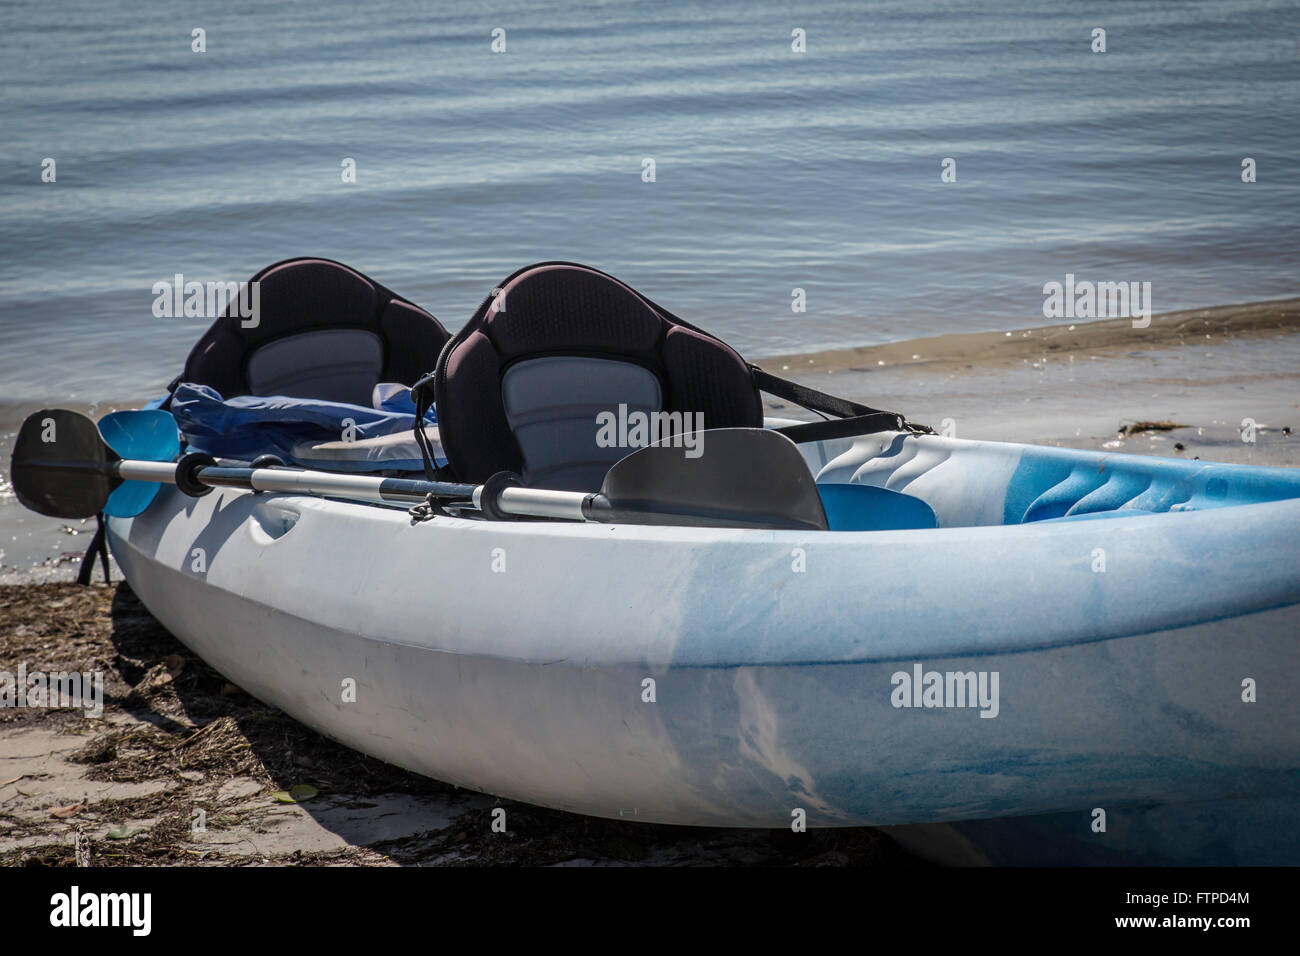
(247, 426)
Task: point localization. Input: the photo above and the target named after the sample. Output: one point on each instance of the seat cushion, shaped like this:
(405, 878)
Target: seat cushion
(340, 365)
(556, 407)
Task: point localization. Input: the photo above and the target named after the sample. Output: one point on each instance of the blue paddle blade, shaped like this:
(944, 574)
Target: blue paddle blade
(145, 435)
(851, 507)
(130, 498)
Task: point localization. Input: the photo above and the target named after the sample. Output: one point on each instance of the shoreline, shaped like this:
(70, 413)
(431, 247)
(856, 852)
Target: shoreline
(968, 349)
(1208, 371)
(1008, 344)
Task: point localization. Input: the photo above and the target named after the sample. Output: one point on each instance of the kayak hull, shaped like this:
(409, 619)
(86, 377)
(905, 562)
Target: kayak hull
(751, 678)
(749, 746)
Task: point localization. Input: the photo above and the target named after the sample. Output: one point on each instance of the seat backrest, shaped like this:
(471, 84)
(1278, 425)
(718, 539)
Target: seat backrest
(323, 330)
(562, 359)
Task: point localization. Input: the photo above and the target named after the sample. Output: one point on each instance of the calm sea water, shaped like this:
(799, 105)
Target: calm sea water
(773, 169)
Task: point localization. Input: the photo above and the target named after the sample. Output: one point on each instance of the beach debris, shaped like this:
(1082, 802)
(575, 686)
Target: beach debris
(1137, 428)
(65, 813)
(1179, 446)
(122, 832)
(298, 793)
(156, 680)
(100, 750)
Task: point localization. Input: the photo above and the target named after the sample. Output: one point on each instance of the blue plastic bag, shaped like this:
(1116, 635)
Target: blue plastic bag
(251, 425)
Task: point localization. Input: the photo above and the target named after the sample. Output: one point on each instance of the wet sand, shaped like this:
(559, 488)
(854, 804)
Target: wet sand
(175, 737)
(1077, 385)
(1104, 337)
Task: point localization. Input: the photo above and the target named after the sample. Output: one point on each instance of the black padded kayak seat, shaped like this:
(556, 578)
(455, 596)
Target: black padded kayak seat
(523, 386)
(323, 331)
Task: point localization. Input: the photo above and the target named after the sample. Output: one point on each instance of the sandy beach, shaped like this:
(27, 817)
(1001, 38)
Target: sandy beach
(183, 768)
(1107, 337)
(1086, 385)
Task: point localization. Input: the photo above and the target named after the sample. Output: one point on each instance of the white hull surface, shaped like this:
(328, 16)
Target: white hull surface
(513, 657)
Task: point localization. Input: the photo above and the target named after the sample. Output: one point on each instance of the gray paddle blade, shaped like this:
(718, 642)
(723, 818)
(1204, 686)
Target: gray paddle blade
(60, 466)
(723, 477)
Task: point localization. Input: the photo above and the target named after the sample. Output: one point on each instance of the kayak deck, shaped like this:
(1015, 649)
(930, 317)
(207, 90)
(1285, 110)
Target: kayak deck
(970, 483)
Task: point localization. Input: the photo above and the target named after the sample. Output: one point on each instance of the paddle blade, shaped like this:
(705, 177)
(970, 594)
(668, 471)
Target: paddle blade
(852, 507)
(722, 477)
(144, 435)
(130, 498)
(60, 466)
(147, 434)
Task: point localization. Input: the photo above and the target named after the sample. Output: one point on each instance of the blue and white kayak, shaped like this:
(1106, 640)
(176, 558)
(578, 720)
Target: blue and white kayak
(1083, 631)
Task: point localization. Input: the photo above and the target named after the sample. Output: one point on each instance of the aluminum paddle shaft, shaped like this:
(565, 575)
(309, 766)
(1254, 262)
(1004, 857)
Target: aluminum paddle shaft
(737, 478)
(532, 502)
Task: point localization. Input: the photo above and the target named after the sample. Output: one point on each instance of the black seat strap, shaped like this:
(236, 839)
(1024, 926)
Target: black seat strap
(809, 398)
(852, 418)
(422, 395)
(844, 427)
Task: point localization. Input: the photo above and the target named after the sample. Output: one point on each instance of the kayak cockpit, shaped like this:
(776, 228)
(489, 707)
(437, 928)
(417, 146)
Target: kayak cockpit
(974, 483)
